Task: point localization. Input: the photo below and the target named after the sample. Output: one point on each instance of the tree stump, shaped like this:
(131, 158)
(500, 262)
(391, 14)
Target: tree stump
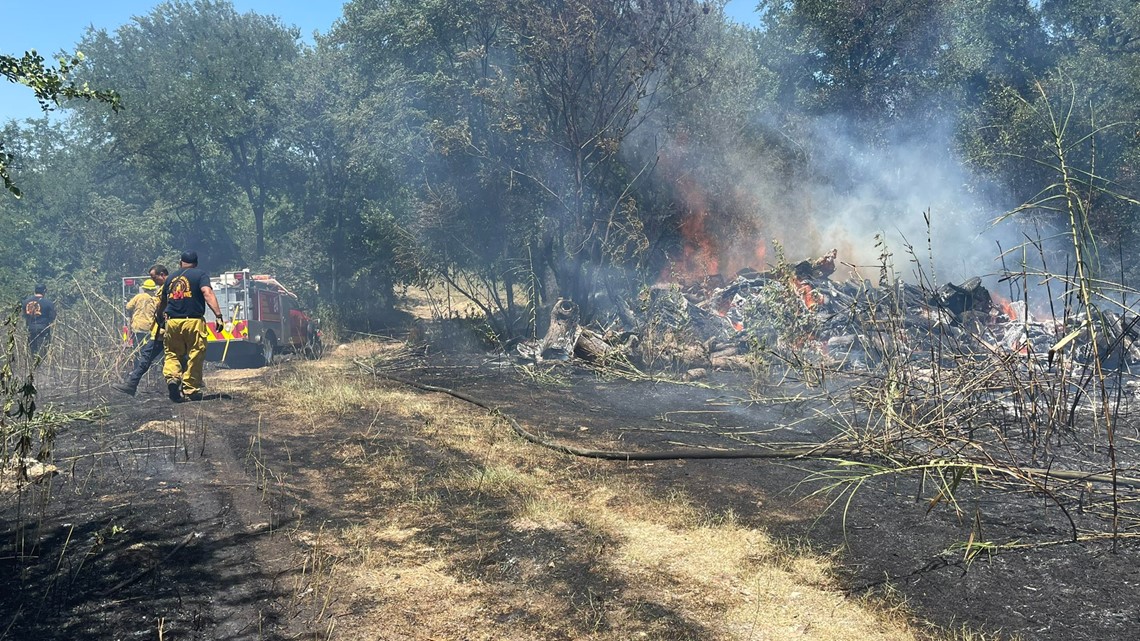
(562, 335)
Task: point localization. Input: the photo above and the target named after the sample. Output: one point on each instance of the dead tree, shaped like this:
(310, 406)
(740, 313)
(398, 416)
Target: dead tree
(563, 333)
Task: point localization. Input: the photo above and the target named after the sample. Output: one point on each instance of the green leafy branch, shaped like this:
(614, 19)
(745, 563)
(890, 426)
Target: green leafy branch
(52, 86)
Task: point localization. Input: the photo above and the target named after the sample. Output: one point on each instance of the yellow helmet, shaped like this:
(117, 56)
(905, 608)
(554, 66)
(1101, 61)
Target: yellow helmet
(149, 284)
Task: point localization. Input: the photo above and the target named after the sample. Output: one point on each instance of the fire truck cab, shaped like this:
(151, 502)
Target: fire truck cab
(263, 319)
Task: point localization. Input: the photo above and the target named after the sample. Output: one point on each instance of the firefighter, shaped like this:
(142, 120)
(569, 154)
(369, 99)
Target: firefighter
(39, 314)
(151, 338)
(181, 312)
(140, 309)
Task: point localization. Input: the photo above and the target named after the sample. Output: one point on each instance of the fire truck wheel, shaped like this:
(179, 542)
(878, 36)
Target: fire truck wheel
(268, 346)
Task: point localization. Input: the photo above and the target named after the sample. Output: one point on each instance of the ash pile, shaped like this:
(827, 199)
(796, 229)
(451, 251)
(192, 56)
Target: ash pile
(799, 312)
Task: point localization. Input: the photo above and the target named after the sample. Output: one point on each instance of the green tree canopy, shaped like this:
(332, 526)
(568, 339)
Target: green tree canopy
(52, 86)
(205, 90)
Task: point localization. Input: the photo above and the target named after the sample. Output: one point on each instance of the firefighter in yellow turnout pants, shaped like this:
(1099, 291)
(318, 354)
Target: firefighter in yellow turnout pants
(182, 310)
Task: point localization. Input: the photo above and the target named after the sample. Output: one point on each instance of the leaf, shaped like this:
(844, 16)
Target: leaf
(1059, 345)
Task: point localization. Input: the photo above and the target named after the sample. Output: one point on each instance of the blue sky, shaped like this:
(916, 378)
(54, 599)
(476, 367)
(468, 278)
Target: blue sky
(52, 26)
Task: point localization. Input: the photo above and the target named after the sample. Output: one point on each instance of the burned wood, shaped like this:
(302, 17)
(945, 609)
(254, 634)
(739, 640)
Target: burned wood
(711, 323)
(667, 308)
(959, 299)
(817, 269)
(592, 347)
(566, 339)
(732, 349)
(561, 336)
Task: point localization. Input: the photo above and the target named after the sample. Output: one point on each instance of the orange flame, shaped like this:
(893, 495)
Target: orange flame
(761, 255)
(707, 247)
(1005, 305)
(704, 252)
(807, 293)
(699, 255)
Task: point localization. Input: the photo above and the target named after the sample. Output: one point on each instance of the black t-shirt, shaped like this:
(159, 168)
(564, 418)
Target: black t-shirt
(38, 311)
(183, 293)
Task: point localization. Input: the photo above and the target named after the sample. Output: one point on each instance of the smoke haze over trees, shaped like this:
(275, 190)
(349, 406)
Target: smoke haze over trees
(574, 148)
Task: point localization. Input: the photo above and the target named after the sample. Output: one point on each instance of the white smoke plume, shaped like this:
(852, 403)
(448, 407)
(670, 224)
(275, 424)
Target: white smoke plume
(839, 192)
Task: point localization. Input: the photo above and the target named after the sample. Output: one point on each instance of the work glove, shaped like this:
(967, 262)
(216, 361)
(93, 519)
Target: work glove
(219, 325)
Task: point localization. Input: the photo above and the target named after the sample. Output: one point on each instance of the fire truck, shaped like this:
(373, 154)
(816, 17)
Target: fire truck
(263, 319)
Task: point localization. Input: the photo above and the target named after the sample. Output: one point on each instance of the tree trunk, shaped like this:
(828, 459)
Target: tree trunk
(563, 333)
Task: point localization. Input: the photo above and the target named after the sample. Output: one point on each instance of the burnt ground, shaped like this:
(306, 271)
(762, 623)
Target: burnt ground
(180, 522)
(888, 540)
(154, 523)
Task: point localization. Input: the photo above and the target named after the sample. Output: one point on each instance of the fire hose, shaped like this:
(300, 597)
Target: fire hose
(692, 453)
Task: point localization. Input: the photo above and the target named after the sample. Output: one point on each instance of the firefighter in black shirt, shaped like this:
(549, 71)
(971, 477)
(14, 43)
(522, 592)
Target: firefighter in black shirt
(39, 314)
(182, 309)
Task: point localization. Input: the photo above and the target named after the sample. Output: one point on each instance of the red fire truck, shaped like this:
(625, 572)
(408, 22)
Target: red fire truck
(263, 319)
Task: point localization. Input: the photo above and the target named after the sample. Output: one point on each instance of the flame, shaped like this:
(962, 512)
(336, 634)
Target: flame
(807, 293)
(707, 248)
(706, 251)
(1005, 305)
(761, 255)
(699, 255)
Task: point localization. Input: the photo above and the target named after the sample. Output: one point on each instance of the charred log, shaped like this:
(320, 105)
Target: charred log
(561, 336)
(669, 308)
(566, 339)
(817, 269)
(970, 296)
(592, 347)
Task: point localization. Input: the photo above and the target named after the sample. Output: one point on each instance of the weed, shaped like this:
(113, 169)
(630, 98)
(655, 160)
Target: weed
(549, 376)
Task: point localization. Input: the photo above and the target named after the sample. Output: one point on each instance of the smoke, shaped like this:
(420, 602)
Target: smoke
(911, 189)
(822, 184)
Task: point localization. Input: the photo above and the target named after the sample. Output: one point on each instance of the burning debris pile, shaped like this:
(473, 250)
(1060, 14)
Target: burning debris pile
(944, 382)
(848, 326)
(936, 382)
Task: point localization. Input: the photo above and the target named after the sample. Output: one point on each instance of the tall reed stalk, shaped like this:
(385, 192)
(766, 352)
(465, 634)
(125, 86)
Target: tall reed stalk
(944, 401)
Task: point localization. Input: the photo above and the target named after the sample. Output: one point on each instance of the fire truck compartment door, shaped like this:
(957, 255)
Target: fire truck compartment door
(269, 307)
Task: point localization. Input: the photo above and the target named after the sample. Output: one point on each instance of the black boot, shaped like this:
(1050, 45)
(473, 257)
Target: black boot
(125, 388)
(175, 391)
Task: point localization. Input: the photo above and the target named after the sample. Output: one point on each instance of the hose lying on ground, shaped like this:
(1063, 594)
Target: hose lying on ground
(769, 452)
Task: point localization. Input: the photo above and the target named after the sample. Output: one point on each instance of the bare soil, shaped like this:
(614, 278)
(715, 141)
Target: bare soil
(294, 507)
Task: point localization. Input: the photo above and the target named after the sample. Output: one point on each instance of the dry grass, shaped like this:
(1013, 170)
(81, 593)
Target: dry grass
(439, 300)
(459, 530)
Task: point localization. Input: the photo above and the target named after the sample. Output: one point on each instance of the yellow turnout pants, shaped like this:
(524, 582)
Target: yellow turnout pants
(185, 339)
